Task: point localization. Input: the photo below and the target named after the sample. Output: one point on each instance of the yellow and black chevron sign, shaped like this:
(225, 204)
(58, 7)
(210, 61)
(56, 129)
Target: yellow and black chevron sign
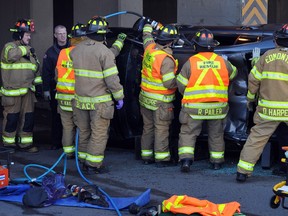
(254, 12)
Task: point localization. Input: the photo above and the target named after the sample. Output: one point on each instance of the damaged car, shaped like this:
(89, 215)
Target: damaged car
(236, 42)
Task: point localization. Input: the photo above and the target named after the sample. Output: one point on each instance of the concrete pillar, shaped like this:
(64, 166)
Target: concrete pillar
(209, 12)
(42, 39)
(129, 5)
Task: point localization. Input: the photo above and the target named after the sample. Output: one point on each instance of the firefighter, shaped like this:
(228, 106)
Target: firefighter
(158, 86)
(65, 79)
(19, 74)
(96, 85)
(267, 84)
(203, 81)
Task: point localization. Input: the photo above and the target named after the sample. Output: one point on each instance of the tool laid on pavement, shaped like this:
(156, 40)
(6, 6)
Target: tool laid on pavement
(5, 169)
(281, 189)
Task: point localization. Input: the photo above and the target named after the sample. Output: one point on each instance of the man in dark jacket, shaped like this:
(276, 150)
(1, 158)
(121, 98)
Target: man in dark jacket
(49, 83)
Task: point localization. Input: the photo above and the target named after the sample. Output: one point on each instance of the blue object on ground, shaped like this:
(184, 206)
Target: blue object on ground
(15, 193)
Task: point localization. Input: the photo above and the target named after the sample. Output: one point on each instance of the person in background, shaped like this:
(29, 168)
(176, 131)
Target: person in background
(49, 83)
(96, 85)
(19, 76)
(203, 81)
(158, 87)
(268, 84)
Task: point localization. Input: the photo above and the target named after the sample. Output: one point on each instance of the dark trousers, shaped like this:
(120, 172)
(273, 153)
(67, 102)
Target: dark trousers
(56, 125)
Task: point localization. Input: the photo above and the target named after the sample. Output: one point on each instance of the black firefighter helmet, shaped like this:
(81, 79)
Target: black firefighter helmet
(205, 38)
(281, 36)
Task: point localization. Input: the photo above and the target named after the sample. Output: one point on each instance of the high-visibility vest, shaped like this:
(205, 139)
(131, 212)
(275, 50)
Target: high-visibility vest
(66, 77)
(209, 79)
(189, 205)
(65, 80)
(152, 80)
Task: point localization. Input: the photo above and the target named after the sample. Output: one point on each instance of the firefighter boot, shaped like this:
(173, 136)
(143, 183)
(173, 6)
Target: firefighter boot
(185, 165)
(241, 177)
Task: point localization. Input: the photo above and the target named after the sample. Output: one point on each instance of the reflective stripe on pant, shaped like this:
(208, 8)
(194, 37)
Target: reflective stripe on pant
(155, 136)
(191, 129)
(93, 135)
(18, 119)
(253, 148)
(69, 130)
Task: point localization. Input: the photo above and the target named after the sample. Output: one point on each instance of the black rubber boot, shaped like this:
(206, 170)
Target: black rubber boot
(241, 177)
(185, 165)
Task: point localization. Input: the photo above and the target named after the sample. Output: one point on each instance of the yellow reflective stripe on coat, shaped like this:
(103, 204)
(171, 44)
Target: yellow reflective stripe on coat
(146, 153)
(207, 91)
(234, 72)
(257, 75)
(164, 98)
(250, 95)
(185, 150)
(118, 94)
(168, 76)
(110, 71)
(205, 105)
(203, 117)
(147, 29)
(9, 140)
(66, 108)
(89, 73)
(14, 92)
(118, 44)
(7, 50)
(272, 75)
(152, 83)
(94, 159)
(273, 104)
(62, 96)
(69, 149)
(96, 99)
(38, 80)
(217, 155)
(161, 155)
(183, 80)
(19, 66)
(23, 50)
(245, 165)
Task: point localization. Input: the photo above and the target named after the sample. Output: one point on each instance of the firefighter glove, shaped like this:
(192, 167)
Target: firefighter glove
(32, 50)
(47, 96)
(121, 37)
(256, 52)
(120, 104)
(250, 106)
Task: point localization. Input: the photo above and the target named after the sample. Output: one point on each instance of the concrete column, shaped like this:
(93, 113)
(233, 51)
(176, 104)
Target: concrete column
(42, 13)
(129, 5)
(209, 12)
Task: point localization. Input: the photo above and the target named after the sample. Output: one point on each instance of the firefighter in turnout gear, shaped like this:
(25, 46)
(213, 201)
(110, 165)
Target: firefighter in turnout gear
(158, 86)
(65, 79)
(203, 81)
(19, 76)
(96, 85)
(267, 84)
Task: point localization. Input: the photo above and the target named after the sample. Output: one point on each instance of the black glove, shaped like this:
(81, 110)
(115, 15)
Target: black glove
(32, 50)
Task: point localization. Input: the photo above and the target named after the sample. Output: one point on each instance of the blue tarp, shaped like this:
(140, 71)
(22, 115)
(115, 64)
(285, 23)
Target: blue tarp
(15, 193)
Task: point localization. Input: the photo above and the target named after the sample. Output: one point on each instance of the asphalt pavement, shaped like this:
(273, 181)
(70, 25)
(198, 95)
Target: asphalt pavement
(128, 177)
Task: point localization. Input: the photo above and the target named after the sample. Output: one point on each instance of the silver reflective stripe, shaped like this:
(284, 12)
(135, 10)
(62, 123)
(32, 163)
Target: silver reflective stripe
(14, 92)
